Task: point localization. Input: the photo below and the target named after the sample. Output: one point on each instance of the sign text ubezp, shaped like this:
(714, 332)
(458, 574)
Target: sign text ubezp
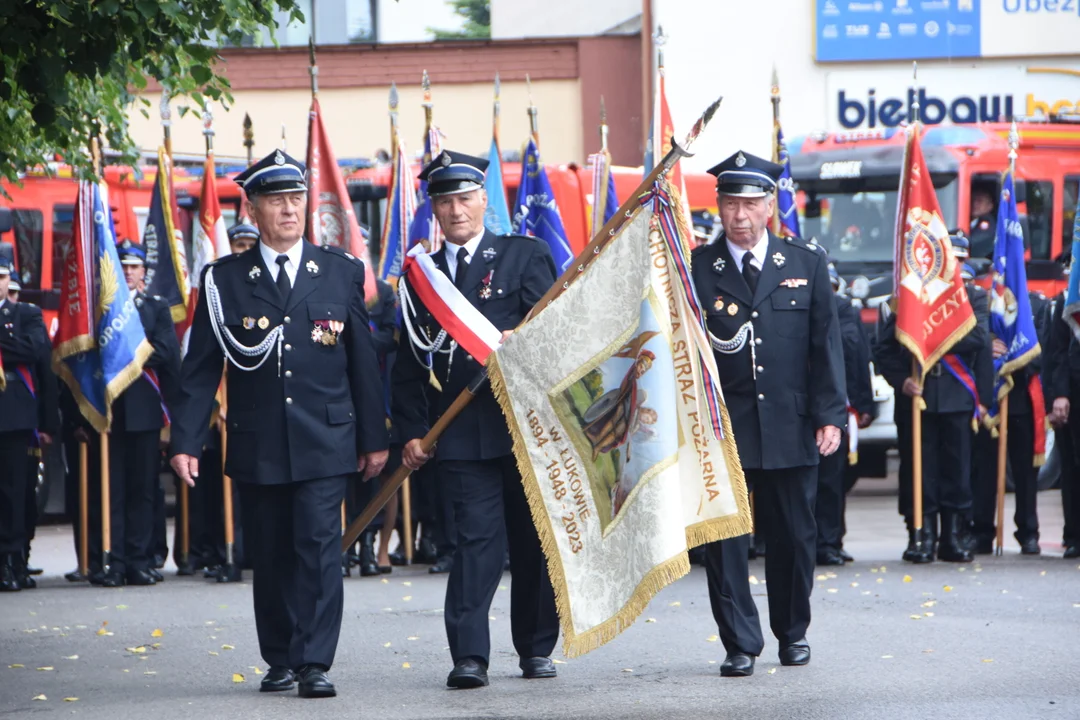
(890, 112)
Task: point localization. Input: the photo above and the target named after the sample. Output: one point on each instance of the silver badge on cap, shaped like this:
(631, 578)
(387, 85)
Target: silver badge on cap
(279, 159)
(740, 160)
(445, 160)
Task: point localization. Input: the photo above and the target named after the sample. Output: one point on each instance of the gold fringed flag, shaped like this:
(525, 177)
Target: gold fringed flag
(619, 426)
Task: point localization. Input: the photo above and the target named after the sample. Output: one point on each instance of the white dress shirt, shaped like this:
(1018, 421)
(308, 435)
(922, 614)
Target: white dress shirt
(757, 253)
(452, 251)
(292, 266)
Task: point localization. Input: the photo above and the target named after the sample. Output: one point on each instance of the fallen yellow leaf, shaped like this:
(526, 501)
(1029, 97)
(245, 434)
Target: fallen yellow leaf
(407, 583)
(72, 657)
(212, 652)
(854, 584)
(412, 637)
(929, 603)
(947, 588)
(675, 604)
(237, 678)
(928, 614)
(227, 647)
(102, 631)
(157, 633)
(559, 662)
(257, 670)
(880, 580)
(137, 650)
(772, 671)
(385, 581)
(886, 657)
(71, 699)
(650, 620)
(753, 580)
(405, 666)
(46, 668)
(832, 590)
(156, 645)
(407, 598)
(40, 697)
(121, 607)
(821, 577)
(630, 670)
(988, 660)
(915, 617)
(712, 638)
(150, 672)
(1042, 573)
(386, 644)
(16, 666)
(907, 578)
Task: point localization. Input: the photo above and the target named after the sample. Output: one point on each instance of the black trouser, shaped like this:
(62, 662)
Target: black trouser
(296, 551)
(35, 454)
(829, 506)
(946, 454)
(785, 511)
(14, 466)
(444, 528)
(159, 542)
(1021, 454)
(490, 510)
(1070, 485)
(134, 465)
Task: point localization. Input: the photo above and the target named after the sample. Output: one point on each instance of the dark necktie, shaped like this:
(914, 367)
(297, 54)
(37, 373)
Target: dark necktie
(283, 284)
(462, 267)
(750, 273)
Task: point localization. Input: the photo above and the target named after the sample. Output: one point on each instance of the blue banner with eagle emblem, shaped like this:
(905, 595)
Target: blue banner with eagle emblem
(537, 213)
(786, 208)
(1011, 320)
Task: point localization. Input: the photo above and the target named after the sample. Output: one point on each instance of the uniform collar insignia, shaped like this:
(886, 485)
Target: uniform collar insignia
(489, 254)
(255, 272)
(718, 265)
(312, 267)
(779, 259)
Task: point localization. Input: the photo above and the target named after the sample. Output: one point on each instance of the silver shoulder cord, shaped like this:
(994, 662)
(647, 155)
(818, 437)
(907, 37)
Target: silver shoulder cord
(738, 341)
(225, 337)
(419, 337)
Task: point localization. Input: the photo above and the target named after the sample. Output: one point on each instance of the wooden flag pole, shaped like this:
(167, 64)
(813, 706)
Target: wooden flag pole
(590, 253)
(84, 512)
(406, 520)
(106, 519)
(230, 571)
(1002, 463)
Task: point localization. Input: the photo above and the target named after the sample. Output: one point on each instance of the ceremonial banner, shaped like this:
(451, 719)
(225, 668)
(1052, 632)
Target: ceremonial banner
(932, 308)
(1071, 311)
(166, 266)
(400, 208)
(424, 229)
(604, 201)
(537, 213)
(209, 239)
(620, 432)
(100, 345)
(787, 212)
(331, 219)
(497, 214)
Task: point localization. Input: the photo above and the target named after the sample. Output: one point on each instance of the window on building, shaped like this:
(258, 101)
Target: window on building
(63, 217)
(360, 20)
(29, 227)
(1068, 215)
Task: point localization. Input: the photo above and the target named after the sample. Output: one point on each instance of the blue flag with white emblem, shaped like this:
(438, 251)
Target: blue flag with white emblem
(536, 212)
(1071, 311)
(497, 214)
(100, 345)
(424, 229)
(400, 208)
(787, 210)
(1011, 320)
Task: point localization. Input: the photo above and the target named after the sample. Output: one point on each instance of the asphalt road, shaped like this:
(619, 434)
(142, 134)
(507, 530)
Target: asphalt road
(996, 639)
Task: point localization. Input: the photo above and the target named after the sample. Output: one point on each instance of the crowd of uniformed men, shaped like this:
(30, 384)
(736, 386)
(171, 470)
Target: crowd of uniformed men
(320, 384)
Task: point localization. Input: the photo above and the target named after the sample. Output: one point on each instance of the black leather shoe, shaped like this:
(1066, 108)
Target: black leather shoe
(385, 569)
(34, 571)
(75, 576)
(113, 579)
(443, 565)
(140, 577)
(426, 553)
(97, 577)
(797, 653)
(1072, 551)
(534, 668)
(950, 546)
(157, 562)
(314, 683)
(1030, 546)
(468, 673)
(9, 575)
(368, 566)
(27, 581)
(984, 545)
(211, 573)
(397, 558)
(737, 664)
(156, 574)
(829, 556)
(278, 679)
(846, 556)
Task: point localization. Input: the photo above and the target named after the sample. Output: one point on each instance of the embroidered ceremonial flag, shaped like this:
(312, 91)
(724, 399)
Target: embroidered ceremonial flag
(536, 212)
(424, 228)
(166, 264)
(620, 432)
(331, 219)
(497, 214)
(787, 212)
(100, 345)
(604, 201)
(209, 239)
(932, 308)
(400, 208)
(1071, 311)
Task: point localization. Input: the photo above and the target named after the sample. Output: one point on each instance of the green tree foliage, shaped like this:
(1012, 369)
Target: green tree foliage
(477, 16)
(69, 68)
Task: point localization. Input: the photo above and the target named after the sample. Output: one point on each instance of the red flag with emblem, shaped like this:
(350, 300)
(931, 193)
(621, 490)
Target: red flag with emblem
(331, 220)
(662, 143)
(932, 308)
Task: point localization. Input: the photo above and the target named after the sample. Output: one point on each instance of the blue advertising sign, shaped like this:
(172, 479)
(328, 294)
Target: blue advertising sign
(858, 30)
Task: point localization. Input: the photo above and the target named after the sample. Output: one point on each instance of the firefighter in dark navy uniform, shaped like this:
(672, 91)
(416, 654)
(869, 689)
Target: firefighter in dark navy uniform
(305, 411)
(983, 229)
(24, 349)
(502, 276)
(772, 320)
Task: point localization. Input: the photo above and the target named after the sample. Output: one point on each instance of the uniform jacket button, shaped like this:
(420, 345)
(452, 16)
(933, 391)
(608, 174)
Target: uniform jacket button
(761, 396)
(288, 401)
(759, 369)
(288, 319)
(753, 314)
(288, 347)
(288, 373)
(757, 341)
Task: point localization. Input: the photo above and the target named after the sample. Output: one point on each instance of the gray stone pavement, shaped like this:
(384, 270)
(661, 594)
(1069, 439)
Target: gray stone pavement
(996, 639)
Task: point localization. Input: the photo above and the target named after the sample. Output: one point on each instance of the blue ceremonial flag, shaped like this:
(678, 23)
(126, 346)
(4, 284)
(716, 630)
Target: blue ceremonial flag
(1011, 320)
(497, 214)
(166, 266)
(604, 201)
(400, 209)
(1071, 310)
(424, 229)
(787, 210)
(537, 213)
(100, 345)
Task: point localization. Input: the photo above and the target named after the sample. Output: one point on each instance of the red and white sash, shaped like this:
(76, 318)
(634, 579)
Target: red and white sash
(452, 310)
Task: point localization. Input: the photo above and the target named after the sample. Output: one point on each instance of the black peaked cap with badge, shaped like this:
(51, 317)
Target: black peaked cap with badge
(276, 173)
(243, 230)
(452, 172)
(746, 175)
(131, 252)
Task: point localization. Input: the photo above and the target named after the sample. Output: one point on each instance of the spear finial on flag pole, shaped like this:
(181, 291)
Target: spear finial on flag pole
(1014, 145)
(660, 39)
(249, 138)
(166, 120)
(393, 119)
(603, 125)
(313, 67)
(914, 119)
(533, 111)
(774, 95)
(208, 128)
